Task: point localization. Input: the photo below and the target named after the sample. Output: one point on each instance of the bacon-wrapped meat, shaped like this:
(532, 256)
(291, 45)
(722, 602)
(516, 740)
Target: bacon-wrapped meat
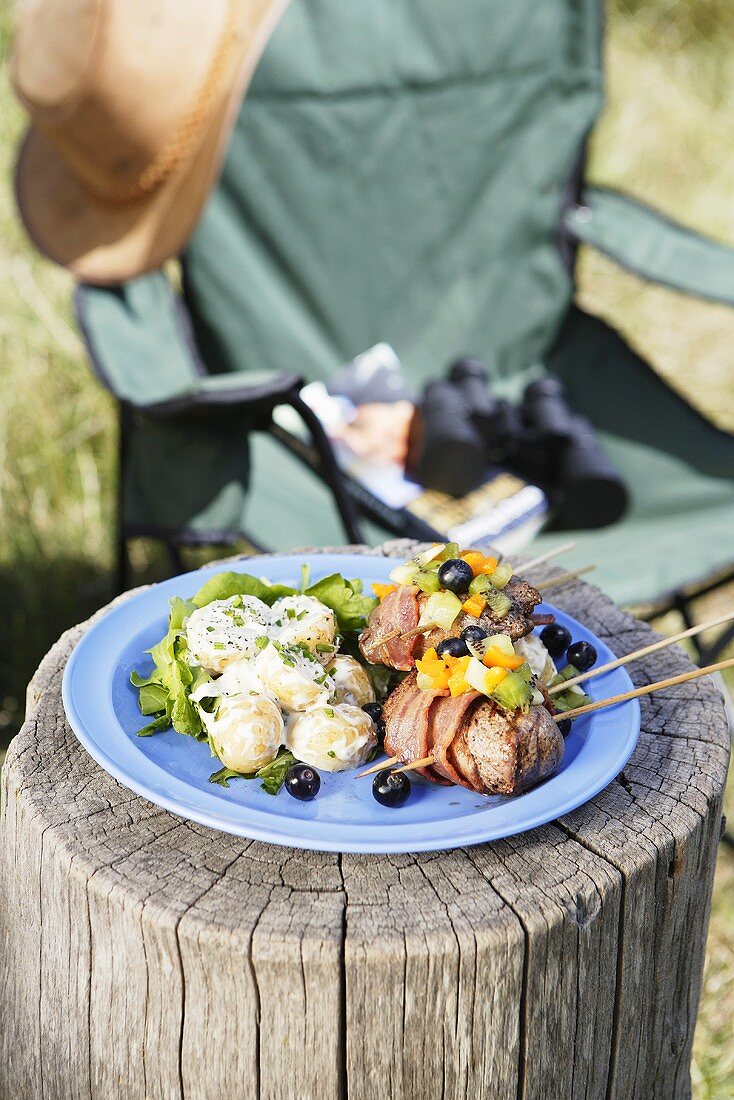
(400, 610)
(474, 742)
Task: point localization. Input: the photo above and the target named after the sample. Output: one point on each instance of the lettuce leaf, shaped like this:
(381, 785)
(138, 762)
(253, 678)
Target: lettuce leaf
(345, 599)
(153, 698)
(272, 775)
(162, 722)
(569, 700)
(165, 692)
(223, 776)
(225, 585)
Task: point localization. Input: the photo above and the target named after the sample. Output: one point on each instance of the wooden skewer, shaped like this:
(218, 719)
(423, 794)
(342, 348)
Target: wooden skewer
(600, 704)
(377, 767)
(554, 553)
(415, 764)
(652, 648)
(408, 634)
(553, 582)
(647, 690)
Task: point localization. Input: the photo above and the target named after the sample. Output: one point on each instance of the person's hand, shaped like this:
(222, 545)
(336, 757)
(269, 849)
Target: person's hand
(379, 431)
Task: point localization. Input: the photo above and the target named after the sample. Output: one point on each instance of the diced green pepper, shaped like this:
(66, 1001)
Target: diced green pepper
(501, 575)
(440, 609)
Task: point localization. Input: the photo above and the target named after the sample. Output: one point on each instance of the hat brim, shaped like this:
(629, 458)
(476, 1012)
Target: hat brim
(109, 242)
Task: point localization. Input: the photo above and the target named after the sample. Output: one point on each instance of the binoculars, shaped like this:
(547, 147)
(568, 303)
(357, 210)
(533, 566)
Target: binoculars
(461, 430)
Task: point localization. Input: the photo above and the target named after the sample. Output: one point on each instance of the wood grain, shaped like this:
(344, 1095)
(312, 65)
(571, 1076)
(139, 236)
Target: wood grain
(145, 956)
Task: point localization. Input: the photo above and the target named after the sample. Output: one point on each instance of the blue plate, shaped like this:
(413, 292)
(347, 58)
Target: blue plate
(173, 770)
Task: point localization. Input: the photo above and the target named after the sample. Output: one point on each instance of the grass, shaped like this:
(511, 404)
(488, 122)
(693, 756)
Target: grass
(665, 136)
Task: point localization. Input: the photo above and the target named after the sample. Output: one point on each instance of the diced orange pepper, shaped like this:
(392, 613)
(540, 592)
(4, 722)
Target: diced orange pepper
(456, 683)
(474, 606)
(382, 590)
(494, 677)
(479, 562)
(437, 670)
(495, 658)
(473, 558)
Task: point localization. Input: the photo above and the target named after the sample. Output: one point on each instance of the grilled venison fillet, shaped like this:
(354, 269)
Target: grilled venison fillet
(516, 622)
(512, 751)
(400, 610)
(474, 742)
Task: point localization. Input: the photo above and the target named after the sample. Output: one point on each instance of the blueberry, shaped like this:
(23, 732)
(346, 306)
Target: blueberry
(455, 575)
(555, 638)
(564, 726)
(391, 789)
(374, 710)
(582, 655)
(452, 647)
(473, 637)
(380, 729)
(302, 781)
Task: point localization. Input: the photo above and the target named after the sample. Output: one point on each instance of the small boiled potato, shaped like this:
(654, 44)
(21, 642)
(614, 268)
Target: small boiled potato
(306, 621)
(226, 630)
(332, 739)
(239, 678)
(294, 680)
(245, 731)
(352, 682)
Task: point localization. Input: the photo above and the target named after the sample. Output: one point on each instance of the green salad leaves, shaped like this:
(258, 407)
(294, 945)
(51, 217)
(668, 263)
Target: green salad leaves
(272, 775)
(163, 695)
(165, 692)
(345, 598)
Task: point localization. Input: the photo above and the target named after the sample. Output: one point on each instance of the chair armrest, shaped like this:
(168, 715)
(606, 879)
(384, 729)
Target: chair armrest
(224, 391)
(648, 244)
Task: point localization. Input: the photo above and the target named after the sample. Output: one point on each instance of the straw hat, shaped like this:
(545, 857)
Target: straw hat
(131, 104)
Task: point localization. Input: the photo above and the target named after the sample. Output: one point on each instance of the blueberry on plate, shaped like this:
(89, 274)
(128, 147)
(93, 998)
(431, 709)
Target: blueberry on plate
(455, 575)
(555, 638)
(391, 789)
(374, 710)
(452, 647)
(582, 655)
(564, 727)
(302, 781)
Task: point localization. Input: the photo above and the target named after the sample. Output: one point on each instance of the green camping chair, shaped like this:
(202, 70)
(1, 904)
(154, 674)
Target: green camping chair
(409, 171)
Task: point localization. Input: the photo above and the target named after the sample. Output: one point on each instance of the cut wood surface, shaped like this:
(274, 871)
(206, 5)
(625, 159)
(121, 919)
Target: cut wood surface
(146, 956)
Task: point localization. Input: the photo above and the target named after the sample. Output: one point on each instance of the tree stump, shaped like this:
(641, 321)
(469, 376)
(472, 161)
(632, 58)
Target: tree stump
(147, 957)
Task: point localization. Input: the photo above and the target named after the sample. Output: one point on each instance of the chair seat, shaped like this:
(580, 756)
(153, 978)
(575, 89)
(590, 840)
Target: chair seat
(679, 530)
(680, 527)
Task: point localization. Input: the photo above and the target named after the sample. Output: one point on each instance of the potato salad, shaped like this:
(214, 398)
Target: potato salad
(256, 671)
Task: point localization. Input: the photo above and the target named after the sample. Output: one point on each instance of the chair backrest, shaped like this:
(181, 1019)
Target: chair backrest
(398, 172)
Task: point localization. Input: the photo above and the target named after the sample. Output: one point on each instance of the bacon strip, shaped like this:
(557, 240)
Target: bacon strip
(446, 718)
(406, 714)
(398, 611)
